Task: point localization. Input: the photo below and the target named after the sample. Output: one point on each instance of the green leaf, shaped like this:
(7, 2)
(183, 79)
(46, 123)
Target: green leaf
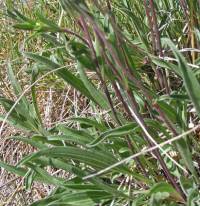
(24, 26)
(139, 27)
(89, 122)
(17, 116)
(168, 65)
(86, 198)
(193, 198)
(74, 135)
(190, 81)
(16, 122)
(34, 97)
(93, 158)
(45, 25)
(116, 132)
(163, 187)
(97, 95)
(186, 155)
(13, 169)
(46, 177)
(21, 172)
(53, 40)
(17, 88)
(29, 178)
(30, 141)
(21, 17)
(168, 110)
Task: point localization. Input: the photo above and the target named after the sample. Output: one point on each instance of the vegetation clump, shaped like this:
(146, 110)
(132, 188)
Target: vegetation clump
(129, 136)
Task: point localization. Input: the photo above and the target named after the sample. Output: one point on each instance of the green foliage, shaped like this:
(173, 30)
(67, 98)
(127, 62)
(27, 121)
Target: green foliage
(120, 43)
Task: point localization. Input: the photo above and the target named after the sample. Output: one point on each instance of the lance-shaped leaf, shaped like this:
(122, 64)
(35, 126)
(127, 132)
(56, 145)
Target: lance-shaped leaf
(97, 95)
(116, 132)
(190, 81)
